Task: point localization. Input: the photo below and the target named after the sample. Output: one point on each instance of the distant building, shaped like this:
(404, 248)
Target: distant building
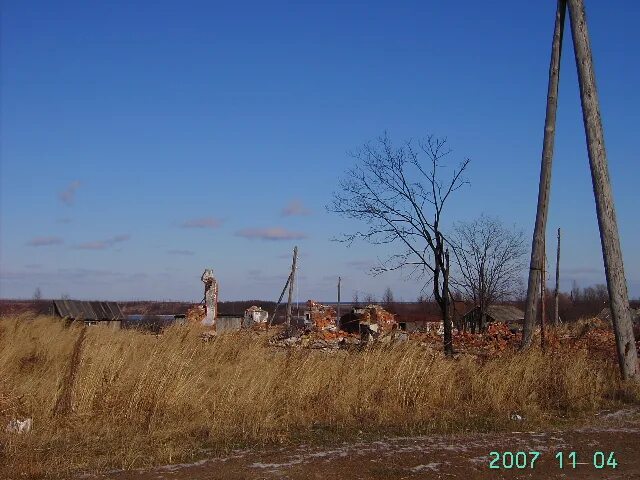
(106, 314)
(507, 314)
(255, 316)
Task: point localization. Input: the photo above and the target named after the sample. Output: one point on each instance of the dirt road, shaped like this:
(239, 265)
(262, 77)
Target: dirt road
(465, 457)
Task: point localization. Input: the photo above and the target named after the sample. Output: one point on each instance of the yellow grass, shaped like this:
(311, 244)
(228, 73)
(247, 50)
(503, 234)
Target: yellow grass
(130, 399)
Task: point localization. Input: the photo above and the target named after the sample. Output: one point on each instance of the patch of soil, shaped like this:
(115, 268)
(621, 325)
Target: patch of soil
(465, 457)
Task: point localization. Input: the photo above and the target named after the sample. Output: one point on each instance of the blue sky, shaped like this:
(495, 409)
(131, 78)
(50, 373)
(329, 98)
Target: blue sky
(145, 141)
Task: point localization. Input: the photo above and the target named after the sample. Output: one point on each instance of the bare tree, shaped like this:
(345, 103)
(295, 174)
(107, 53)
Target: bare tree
(37, 294)
(399, 194)
(490, 259)
(387, 298)
(369, 299)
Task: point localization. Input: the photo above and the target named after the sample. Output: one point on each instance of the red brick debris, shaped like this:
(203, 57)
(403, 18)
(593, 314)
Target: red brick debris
(376, 315)
(322, 316)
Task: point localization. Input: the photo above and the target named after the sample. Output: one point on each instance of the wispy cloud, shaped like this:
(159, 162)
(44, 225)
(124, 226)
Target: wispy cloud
(76, 276)
(68, 195)
(270, 233)
(295, 207)
(64, 220)
(44, 241)
(103, 244)
(180, 252)
(359, 264)
(205, 222)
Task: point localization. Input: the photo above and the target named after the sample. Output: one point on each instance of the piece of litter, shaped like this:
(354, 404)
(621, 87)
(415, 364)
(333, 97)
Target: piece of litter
(19, 426)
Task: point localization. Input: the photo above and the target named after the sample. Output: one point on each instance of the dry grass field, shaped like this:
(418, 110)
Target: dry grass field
(101, 399)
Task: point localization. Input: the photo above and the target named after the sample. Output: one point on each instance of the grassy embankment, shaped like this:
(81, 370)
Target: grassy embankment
(106, 399)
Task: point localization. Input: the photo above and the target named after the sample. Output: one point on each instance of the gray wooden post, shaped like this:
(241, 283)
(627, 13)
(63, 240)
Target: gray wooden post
(556, 294)
(537, 249)
(291, 283)
(543, 296)
(338, 313)
(612, 254)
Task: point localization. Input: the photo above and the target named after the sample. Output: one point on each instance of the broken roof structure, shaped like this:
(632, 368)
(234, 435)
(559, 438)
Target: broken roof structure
(500, 313)
(88, 311)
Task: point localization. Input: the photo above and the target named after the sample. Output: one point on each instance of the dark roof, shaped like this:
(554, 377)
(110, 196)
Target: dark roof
(83, 310)
(501, 313)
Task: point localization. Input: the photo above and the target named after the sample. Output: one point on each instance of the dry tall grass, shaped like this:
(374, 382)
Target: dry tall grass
(133, 399)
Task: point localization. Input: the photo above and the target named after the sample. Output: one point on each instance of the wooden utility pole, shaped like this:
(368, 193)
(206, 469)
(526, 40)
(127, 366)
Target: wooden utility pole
(543, 296)
(556, 293)
(338, 318)
(291, 283)
(537, 254)
(612, 254)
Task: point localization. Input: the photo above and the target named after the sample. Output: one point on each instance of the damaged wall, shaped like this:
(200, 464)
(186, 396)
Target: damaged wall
(320, 316)
(210, 297)
(255, 315)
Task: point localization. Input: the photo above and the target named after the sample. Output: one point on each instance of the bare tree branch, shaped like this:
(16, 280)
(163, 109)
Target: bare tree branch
(399, 194)
(489, 259)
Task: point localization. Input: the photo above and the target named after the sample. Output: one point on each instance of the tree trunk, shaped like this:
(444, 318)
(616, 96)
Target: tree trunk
(537, 253)
(448, 335)
(613, 264)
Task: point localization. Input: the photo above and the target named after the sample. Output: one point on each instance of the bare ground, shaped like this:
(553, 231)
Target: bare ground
(427, 457)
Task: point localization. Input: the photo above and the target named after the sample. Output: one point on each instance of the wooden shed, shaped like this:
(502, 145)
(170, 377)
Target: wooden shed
(107, 314)
(507, 314)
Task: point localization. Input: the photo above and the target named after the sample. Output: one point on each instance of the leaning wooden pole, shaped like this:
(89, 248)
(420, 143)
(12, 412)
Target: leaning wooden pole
(275, 310)
(291, 283)
(537, 247)
(556, 293)
(611, 251)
